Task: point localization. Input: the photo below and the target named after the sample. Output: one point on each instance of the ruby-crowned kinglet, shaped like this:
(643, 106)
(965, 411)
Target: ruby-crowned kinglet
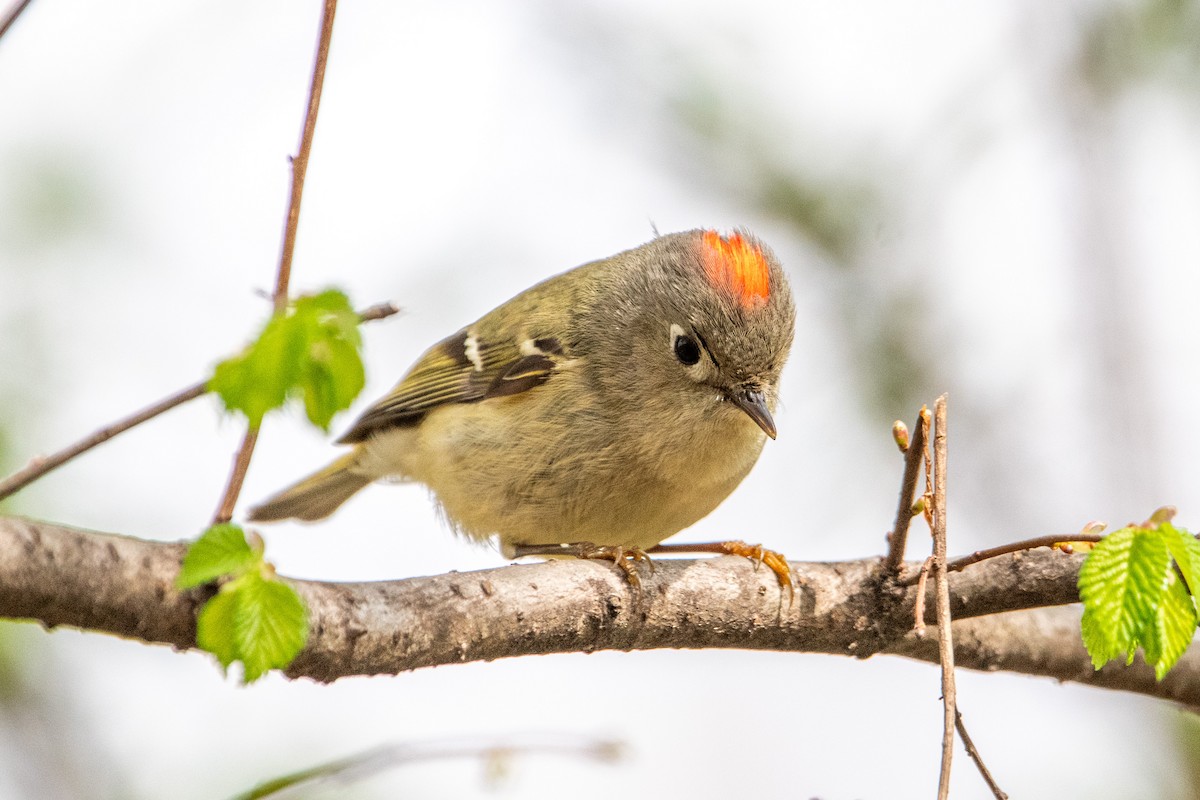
(614, 404)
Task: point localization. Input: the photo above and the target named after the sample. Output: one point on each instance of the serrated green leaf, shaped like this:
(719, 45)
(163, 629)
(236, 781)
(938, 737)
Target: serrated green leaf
(334, 379)
(1185, 549)
(311, 352)
(220, 550)
(333, 312)
(333, 371)
(214, 626)
(270, 625)
(259, 379)
(1122, 584)
(1173, 629)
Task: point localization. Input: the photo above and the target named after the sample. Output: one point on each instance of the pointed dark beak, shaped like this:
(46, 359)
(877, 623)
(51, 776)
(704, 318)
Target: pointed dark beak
(754, 403)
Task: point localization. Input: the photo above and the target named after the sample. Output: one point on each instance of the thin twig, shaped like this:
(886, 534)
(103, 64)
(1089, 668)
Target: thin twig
(241, 463)
(300, 162)
(959, 564)
(40, 466)
(919, 602)
(908, 491)
(974, 754)
(377, 311)
(237, 476)
(495, 753)
(12, 15)
(941, 581)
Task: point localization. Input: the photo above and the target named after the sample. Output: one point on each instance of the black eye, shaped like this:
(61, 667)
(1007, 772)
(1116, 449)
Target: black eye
(686, 350)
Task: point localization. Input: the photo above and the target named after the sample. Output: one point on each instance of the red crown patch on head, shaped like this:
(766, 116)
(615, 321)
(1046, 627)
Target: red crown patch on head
(737, 266)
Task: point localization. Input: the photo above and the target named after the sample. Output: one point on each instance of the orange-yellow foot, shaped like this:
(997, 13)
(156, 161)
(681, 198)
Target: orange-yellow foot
(774, 561)
(627, 558)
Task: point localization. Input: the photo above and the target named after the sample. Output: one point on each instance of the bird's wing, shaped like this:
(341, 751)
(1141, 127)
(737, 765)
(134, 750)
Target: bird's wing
(463, 368)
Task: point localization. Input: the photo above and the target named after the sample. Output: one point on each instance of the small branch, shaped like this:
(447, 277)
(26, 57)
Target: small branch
(959, 564)
(1046, 642)
(908, 492)
(283, 276)
(974, 754)
(40, 466)
(377, 311)
(919, 608)
(300, 162)
(7, 21)
(237, 476)
(493, 751)
(942, 583)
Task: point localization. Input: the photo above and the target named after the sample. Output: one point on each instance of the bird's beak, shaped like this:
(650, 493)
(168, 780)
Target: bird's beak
(754, 403)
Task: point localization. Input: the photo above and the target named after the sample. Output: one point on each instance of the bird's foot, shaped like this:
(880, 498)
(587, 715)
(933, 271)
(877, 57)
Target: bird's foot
(775, 561)
(627, 558)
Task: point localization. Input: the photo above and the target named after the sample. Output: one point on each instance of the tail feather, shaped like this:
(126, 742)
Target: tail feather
(315, 497)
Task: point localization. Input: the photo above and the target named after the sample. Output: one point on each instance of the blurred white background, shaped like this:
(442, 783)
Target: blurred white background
(998, 200)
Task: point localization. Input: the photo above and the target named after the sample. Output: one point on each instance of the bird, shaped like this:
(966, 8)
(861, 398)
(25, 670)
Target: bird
(593, 415)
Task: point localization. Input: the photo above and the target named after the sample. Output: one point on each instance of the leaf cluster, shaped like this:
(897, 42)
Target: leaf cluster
(1137, 589)
(255, 617)
(312, 351)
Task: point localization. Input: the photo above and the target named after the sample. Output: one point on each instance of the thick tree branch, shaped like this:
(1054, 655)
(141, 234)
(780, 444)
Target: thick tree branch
(1046, 642)
(125, 586)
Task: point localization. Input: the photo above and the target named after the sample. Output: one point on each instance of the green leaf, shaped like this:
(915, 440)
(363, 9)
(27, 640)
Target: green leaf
(1122, 584)
(214, 625)
(312, 351)
(255, 619)
(335, 377)
(1185, 549)
(270, 625)
(1173, 629)
(220, 550)
(258, 380)
(332, 373)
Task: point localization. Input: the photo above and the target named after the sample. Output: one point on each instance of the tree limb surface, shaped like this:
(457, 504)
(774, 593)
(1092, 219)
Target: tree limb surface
(125, 586)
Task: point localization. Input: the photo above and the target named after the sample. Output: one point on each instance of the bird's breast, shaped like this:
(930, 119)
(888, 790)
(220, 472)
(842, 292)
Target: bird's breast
(536, 470)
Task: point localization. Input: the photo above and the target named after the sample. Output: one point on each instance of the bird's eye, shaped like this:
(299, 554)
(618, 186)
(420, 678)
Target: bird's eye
(686, 350)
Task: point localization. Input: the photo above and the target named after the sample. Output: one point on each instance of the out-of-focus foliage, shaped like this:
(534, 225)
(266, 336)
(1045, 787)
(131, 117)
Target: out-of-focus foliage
(1130, 43)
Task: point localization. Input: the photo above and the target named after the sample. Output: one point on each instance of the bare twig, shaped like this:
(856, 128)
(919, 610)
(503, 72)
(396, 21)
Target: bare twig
(919, 605)
(495, 752)
(941, 581)
(908, 491)
(7, 21)
(974, 754)
(959, 564)
(300, 162)
(40, 466)
(237, 476)
(377, 311)
(283, 276)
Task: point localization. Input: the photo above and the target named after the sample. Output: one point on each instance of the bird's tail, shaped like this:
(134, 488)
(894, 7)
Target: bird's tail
(317, 496)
